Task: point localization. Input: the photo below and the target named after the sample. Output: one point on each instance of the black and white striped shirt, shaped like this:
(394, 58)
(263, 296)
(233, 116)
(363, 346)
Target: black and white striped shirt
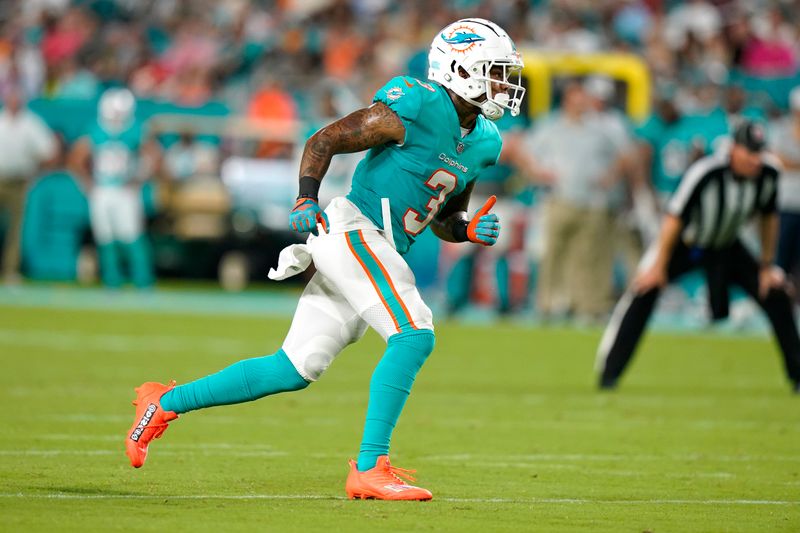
(714, 204)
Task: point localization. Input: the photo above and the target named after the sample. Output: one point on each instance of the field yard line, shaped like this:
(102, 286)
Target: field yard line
(119, 437)
(74, 340)
(58, 452)
(266, 451)
(578, 501)
(245, 450)
(607, 457)
(709, 425)
(602, 471)
(182, 451)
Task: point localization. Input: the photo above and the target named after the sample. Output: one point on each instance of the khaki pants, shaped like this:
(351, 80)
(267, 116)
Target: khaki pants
(577, 263)
(12, 200)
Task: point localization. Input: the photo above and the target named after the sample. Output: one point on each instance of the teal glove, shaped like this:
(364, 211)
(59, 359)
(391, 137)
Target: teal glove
(306, 214)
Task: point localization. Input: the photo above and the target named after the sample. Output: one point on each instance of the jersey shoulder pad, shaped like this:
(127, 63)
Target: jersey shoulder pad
(404, 95)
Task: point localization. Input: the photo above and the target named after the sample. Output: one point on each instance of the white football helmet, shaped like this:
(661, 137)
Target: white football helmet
(472, 48)
(116, 108)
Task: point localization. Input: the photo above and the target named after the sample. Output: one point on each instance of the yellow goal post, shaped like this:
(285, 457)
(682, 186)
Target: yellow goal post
(542, 67)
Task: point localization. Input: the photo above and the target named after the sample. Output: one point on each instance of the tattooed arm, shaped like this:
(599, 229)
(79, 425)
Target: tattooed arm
(452, 215)
(360, 130)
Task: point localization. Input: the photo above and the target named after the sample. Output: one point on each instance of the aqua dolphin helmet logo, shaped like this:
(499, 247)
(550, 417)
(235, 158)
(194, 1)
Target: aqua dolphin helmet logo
(462, 38)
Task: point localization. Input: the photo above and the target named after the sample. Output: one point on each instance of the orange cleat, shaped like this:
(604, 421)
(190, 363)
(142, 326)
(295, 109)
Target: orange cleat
(151, 420)
(383, 483)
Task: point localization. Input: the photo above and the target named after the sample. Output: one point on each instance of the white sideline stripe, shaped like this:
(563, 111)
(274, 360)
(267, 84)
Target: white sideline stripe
(578, 501)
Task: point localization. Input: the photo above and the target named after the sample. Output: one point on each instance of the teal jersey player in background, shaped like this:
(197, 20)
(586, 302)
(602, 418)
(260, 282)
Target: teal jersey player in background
(676, 140)
(115, 154)
(427, 142)
(109, 160)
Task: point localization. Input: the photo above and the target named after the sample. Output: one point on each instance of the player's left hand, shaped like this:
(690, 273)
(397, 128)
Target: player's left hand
(771, 277)
(484, 228)
(305, 216)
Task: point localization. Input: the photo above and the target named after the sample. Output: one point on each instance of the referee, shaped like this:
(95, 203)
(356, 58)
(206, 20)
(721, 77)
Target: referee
(716, 197)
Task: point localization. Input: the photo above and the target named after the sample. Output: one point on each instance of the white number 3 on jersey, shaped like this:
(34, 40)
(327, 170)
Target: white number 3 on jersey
(442, 181)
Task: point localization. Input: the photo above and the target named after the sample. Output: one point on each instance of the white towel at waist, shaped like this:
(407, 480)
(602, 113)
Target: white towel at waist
(293, 260)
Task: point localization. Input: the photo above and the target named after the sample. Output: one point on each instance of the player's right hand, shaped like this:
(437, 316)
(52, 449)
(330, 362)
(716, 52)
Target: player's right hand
(484, 228)
(305, 216)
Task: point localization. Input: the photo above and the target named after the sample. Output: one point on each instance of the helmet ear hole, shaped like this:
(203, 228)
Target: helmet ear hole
(463, 73)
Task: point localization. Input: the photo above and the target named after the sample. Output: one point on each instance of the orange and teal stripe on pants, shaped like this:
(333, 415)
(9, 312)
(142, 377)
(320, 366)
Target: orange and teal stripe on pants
(379, 277)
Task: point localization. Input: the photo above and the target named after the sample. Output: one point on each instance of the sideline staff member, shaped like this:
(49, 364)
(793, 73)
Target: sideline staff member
(717, 196)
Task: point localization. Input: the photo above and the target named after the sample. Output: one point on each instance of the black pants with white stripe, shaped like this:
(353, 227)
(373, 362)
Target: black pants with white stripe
(731, 266)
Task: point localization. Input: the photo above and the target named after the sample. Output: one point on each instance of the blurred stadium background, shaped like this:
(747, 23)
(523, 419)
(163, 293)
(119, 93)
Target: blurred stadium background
(230, 90)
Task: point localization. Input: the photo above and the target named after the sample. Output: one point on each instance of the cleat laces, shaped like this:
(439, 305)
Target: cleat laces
(400, 475)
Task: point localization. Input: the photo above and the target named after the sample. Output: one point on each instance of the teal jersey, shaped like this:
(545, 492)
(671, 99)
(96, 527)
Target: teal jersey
(115, 155)
(673, 145)
(720, 124)
(434, 163)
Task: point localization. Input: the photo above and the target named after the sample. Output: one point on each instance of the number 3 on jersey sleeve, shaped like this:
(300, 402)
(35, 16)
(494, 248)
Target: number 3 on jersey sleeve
(441, 180)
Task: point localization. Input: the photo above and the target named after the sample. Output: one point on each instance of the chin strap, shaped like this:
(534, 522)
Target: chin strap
(491, 110)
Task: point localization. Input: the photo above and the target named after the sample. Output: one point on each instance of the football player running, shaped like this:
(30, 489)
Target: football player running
(427, 143)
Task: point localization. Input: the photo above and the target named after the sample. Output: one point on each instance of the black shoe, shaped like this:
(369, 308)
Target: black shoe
(607, 383)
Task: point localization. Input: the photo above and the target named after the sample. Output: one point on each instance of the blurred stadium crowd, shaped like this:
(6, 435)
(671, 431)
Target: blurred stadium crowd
(228, 90)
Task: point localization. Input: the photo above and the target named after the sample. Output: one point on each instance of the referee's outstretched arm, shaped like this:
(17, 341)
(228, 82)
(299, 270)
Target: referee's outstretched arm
(655, 276)
(769, 276)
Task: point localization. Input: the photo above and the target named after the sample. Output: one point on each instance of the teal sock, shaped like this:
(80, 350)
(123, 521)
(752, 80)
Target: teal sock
(241, 382)
(503, 284)
(390, 385)
(459, 283)
(108, 257)
(140, 262)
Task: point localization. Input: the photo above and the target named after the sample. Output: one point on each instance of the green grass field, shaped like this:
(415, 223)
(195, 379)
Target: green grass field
(504, 426)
